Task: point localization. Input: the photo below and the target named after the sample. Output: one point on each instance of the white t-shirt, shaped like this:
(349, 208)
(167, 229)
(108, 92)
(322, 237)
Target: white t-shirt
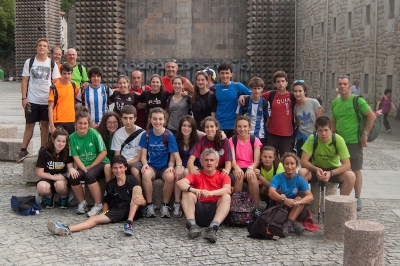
(130, 150)
(39, 81)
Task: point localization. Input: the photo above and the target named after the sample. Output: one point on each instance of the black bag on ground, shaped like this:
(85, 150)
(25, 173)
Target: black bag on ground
(269, 224)
(24, 205)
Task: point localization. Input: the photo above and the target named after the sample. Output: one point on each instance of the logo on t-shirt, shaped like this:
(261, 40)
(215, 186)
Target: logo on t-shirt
(221, 152)
(90, 144)
(295, 190)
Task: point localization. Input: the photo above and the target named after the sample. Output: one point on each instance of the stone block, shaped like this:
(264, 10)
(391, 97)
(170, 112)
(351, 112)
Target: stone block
(8, 131)
(9, 148)
(88, 195)
(339, 210)
(363, 243)
(158, 185)
(331, 189)
(29, 169)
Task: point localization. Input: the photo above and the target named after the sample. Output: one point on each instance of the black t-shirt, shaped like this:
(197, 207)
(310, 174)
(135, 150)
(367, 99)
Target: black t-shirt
(121, 100)
(120, 196)
(203, 107)
(52, 165)
(153, 100)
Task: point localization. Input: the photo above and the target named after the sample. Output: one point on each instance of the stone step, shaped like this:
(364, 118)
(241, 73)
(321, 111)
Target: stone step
(9, 148)
(8, 131)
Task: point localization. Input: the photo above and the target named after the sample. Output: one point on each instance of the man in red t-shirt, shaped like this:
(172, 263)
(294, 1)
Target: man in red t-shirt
(137, 79)
(171, 68)
(206, 197)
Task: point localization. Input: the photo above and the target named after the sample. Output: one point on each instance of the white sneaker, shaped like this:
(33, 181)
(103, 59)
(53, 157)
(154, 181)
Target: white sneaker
(82, 207)
(96, 209)
(165, 212)
(177, 210)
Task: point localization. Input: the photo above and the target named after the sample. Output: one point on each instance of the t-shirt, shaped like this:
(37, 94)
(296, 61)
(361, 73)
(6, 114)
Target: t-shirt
(76, 75)
(52, 165)
(157, 153)
(96, 101)
(244, 154)
(346, 117)
(64, 111)
(120, 196)
(177, 111)
(280, 122)
(168, 84)
(306, 115)
(325, 154)
(141, 113)
(120, 100)
(227, 102)
(210, 183)
(270, 174)
(87, 147)
(130, 150)
(386, 104)
(39, 80)
(205, 105)
(255, 112)
(153, 100)
(204, 143)
(354, 90)
(291, 186)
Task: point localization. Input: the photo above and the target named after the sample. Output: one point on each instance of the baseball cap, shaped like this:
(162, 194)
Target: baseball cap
(210, 72)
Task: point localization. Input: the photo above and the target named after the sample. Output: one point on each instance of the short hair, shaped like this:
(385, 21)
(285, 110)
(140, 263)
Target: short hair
(209, 151)
(323, 121)
(290, 154)
(125, 78)
(279, 74)
(225, 66)
(129, 110)
(96, 70)
(256, 82)
(118, 159)
(65, 68)
(387, 91)
(344, 77)
(43, 40)
(55, 48)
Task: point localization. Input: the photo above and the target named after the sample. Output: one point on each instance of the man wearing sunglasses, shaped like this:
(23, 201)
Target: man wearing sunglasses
(171, 69)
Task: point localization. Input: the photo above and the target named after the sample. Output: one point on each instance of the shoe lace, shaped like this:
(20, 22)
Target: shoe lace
(165, 208)
(177, 207)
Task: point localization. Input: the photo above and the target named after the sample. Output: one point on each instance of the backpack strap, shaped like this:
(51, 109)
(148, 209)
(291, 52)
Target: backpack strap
(80, 70)
(271, 97)
(246, 105)
(164, 137)
(334, 142)
(131, 137)
(31, 61)
(52, 66)
(355, 106)
(265, 109)
(315, 144)
(55, 94)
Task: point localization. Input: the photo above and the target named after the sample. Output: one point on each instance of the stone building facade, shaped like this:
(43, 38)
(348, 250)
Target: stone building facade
(358, 38)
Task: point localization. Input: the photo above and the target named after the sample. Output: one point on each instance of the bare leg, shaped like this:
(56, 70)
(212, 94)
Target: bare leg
(107, 172)
(136, 191)
(61, 187)
(96, 192)
(347, 179)
(28, 133)
(136, 174)
(254, 191)
(295, 211)
(44, 188)
(358, 183)
(44, 133)
(188, 204)
(147, 184)
(169, 183)
(223, 206)
(89, 223)
(78, 191)
(238, 185)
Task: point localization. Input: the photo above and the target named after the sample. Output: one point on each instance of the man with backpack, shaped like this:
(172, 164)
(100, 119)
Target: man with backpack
(38, 74)
(206, 197)
(138, 88)
(345, 121)
(321, 154)
(79, 74)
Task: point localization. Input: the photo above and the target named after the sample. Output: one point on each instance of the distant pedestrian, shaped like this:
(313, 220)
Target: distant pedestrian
(355, 89)
(385, 103)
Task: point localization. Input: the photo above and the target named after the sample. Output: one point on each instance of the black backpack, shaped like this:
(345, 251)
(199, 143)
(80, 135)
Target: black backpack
(55, 92)
(246, 106)
(315, 144)
(270, 224)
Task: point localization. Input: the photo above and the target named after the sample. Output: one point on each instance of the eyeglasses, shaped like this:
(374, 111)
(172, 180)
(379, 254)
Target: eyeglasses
(112, 123)
(171, 60)
(299, 81)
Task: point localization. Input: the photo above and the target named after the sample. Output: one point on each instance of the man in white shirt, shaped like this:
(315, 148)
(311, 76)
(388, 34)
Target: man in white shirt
(355, 89)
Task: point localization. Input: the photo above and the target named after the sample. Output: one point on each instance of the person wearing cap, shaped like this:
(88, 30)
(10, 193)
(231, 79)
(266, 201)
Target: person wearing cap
(171, 69)
(211, 73)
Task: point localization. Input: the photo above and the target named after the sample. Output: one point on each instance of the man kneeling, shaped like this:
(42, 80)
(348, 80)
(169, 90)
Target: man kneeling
(124, 191)
(206, 197)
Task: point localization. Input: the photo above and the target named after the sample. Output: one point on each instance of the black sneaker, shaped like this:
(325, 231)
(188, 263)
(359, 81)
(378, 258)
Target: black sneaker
(194, 230)
(298, 228)
(64, 203)
(211, 234)
(48, 202)
(22, 155)
(287, 227)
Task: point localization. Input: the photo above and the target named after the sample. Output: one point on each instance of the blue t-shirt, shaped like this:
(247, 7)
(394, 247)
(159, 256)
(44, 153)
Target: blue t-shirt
(290, 187)
(157, 153)
(227, 98)
(256, 114)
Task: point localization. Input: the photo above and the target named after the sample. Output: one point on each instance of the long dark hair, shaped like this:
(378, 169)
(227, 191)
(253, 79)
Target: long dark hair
(276, 162)
(193, 138)
(196, 89)
(218, 142)
(102, 128)
(51, 150)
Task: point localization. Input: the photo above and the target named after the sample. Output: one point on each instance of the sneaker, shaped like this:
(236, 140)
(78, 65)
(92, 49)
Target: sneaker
(257, 214)
(298, 228)
(165, 212)
(287, 227)
(359, 204)
(58, 229)
(194, 230)
(149, 211)
(48, 203)
(64, 203)
(128, 229)
(389, 131)
(96, 209)
(22, 155)
(177, 210)
(211, 234)
(82, 207)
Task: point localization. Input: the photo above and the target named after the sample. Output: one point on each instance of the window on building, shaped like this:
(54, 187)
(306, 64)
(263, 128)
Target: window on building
(304, 35)
(391, 9)
(312, 33)
(311, 79)
(321, 79)
(322, 29)
(389, 82)
(334, 81)
(349, 20)
(302, 74)
(366, 83)
(334, 26)
(368, 15)
(348, 76)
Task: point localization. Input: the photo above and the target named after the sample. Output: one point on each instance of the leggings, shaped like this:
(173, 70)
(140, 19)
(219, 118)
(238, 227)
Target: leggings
(91, 176)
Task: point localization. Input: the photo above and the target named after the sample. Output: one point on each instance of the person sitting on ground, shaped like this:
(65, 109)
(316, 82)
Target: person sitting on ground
(122, 199)
(53, 167)
(245, 158)
(291, 190)
(324, 165)
(206, 197)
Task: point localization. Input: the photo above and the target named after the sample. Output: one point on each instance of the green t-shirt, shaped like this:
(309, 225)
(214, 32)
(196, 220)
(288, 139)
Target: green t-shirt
(269, 175)
(87, 147)
(346, 117)
(325, 154)
(76, 75)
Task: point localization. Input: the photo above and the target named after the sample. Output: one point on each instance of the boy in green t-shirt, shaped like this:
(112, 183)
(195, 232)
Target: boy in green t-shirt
(324, 164)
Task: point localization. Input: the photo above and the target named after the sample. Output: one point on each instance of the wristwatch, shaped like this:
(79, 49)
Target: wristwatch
(283, 200)
(189, 188)
(365, 133)
(250, 167)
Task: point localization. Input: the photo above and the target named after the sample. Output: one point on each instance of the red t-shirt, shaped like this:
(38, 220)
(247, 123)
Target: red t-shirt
(141, 113)
(280, 121)
(204, 143)
(214, 182)
(168, 84)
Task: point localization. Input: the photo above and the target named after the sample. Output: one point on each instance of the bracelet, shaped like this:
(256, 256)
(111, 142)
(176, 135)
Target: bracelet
(189, 188)
(178, 165)
(332, 173)
(23, 99)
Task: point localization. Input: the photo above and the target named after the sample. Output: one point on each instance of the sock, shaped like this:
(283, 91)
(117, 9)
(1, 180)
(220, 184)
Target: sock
(165, 204)
(63, 197)
(191, 221)
(83, 202)
(23, 149)
(99, 205)
(49, 197)
(149, 203)
(214, 223)
(129, 222)
(177, 202)
(290, 221)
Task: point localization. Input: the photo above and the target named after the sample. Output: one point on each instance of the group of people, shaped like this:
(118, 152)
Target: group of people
(204, 140)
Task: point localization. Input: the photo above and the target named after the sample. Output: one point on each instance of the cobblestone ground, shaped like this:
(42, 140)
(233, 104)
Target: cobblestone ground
(26, 241)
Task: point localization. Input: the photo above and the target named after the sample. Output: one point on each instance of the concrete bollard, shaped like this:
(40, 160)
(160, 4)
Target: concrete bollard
(339, 210)
(158, 186)
(331, 189)
(363, 243)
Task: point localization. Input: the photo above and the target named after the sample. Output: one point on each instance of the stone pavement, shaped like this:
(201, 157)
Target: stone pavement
(26, 241)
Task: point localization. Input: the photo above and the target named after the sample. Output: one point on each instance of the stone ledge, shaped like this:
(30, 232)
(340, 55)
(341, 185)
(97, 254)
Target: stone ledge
(8, 131)
(9, 148)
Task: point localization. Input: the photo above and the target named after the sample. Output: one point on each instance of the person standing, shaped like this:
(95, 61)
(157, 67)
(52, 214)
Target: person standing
(55, 55)
(79, 74)
(138, 88)
(171, 70)
(385, 103)
(355, 89)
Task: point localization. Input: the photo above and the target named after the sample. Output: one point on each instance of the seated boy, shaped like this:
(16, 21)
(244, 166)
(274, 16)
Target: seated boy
(126, 194)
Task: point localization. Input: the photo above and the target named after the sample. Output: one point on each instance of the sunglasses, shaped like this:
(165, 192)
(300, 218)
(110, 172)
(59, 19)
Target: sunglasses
(171, 60)
(299, 81)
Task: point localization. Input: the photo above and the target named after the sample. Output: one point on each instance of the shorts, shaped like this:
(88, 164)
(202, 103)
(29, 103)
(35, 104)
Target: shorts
(38, 113)
(137, 165)
(356, 156)
(158, 173)
(281, 144)
(68, 126)
(51, 182)
(302, 216)
(121, 214)
(205, 212)
(228, 132)
(334, 179)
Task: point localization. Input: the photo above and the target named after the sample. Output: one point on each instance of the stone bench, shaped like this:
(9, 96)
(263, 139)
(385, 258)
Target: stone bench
(9, 148)
(8, 131)
(331, 189)
(29, 169)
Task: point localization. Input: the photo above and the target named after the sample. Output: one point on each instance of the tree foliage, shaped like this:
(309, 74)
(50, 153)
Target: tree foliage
(65, 4)
(7, 25)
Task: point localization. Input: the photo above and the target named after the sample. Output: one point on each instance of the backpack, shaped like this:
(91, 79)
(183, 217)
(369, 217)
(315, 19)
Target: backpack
(292, 99)
(269, 225)
(105, 90)
(315, 144)
(265, 107)
(252, 140)
(25, 205)
(242, 210)
(52, 65)
(55, 93)
(131, 137)
(164, 138)
(362, 119)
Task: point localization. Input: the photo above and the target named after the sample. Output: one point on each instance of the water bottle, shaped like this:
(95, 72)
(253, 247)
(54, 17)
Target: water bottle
(28, 109)
(33, 211)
